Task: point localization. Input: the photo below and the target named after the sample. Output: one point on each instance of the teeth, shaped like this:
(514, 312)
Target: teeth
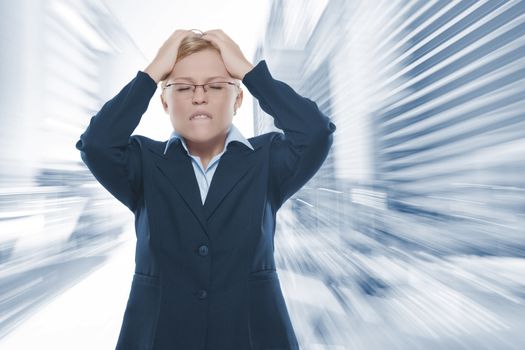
(201, 116)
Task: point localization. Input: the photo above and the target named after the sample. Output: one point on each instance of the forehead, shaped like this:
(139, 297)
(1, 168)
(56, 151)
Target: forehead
(200, 66)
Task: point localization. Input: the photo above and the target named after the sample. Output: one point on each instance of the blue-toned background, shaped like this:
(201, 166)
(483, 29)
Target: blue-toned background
(411, 235)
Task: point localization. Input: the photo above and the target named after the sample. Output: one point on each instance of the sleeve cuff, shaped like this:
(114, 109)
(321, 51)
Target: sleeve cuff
(256, 73)
(146, 79)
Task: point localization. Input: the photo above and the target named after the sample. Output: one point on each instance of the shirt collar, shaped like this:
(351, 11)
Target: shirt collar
(233, 135)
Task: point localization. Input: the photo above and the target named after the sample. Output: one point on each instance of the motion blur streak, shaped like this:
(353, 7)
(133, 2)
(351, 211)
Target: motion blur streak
(411, 235)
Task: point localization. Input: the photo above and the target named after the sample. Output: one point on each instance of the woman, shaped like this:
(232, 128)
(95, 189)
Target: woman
(205, 201)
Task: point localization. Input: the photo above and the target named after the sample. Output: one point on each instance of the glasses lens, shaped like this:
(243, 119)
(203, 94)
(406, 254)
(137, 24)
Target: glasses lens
(215, 89)
(182, 90)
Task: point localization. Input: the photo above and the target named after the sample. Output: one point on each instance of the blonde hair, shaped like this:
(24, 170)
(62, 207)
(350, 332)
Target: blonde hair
(190, 45)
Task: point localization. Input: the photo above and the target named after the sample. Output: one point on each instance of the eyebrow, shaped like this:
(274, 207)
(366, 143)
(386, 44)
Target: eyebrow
(191, 79)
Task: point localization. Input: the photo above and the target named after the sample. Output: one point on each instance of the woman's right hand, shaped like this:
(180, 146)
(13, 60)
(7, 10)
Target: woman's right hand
(164, 61)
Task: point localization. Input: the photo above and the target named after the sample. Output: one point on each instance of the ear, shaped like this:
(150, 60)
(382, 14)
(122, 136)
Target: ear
(238, 99)
(164, 104)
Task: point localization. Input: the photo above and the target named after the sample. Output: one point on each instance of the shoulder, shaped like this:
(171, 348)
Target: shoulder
(144, 142)
(265, 140)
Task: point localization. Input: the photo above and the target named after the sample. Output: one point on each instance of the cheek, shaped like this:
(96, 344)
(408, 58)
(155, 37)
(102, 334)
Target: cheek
(178, 118)
(178, 110)
(227, 105)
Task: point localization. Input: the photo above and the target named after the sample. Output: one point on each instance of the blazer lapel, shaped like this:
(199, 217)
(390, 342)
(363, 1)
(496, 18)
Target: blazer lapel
(233, 165)
(177, 167)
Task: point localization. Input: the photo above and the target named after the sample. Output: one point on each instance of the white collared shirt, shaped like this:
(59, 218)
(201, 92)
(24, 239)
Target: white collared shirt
(204, 176)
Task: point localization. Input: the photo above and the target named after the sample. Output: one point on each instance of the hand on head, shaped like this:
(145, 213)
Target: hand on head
(234, 60)
(163, 63)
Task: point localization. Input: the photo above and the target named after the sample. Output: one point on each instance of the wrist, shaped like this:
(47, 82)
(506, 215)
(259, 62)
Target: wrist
(153, 73)
(245, 71)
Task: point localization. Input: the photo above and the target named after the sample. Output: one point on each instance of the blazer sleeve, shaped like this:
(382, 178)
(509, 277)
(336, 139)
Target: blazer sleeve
(298, 153)
(107, 147)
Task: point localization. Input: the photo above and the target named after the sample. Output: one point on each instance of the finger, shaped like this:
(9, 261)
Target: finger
(177, 39)
(225, 38)
(218, 33)
(210, 34)
(179, 32)
(186, 33)
(213, 38)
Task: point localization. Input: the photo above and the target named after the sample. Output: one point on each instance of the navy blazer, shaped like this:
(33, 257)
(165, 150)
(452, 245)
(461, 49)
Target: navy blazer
(205, 275)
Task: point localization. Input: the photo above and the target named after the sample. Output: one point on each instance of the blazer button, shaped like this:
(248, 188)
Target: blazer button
(202, 294)
(203, 250)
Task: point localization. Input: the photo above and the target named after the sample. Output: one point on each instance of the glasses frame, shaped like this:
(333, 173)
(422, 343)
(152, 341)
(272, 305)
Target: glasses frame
(196, 85)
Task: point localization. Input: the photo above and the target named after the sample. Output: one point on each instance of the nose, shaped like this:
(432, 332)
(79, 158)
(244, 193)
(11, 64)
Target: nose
(199, 96)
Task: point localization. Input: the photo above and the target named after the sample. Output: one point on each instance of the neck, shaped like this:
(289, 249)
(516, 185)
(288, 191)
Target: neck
(206, 150)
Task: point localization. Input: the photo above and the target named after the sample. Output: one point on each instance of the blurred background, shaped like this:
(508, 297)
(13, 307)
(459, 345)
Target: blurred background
(411, 235)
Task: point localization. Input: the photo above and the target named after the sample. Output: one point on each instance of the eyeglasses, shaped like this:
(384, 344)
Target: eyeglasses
(185, 90)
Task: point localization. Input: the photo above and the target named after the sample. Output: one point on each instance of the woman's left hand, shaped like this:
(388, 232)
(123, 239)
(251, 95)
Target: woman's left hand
(236, 64)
